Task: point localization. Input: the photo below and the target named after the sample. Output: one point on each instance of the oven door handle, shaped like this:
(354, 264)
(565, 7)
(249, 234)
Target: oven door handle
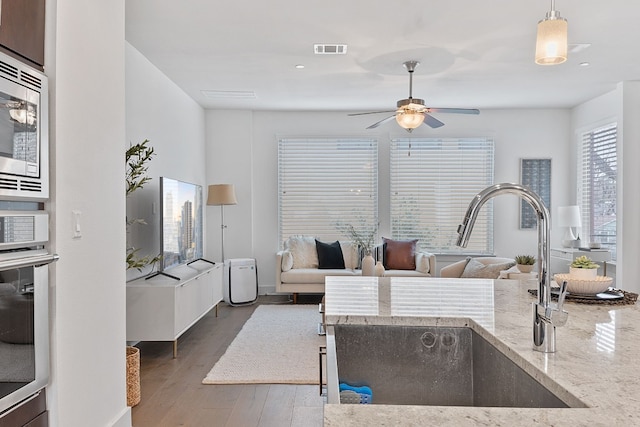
(35, 261)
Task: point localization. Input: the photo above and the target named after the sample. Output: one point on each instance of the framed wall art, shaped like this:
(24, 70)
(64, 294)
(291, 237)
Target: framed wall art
(535, 174)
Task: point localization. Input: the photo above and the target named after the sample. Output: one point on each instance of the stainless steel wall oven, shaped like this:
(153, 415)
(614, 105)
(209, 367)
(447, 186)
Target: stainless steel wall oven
(24, 314)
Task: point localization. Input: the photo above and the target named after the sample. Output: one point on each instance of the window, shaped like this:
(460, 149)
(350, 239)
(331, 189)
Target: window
(325, 181)
(597, 179)
(432, 183)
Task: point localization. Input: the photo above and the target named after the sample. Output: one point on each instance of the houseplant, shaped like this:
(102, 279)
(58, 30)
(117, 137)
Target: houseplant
(525, 263)
(583, 268)
(363, 236)
(137, 158)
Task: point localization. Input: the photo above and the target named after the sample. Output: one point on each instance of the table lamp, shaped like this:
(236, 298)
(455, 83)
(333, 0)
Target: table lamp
(569, 217)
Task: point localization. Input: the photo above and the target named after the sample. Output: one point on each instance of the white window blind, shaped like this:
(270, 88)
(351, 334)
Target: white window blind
(326, 181)
(597, 179)
(432, 183)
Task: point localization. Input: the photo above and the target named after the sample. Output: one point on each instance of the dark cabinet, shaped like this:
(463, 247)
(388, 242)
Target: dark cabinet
(22, 30)
(32, 412)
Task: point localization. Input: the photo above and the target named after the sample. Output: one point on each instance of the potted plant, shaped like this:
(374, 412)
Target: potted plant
(525, 263)
(583, 268)
(136, 159)
(363, 236)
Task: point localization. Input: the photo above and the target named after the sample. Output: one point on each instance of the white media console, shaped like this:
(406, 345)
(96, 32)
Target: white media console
(162, 308)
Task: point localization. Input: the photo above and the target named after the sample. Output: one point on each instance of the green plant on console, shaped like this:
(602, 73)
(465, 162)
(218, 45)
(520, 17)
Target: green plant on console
(525, 260)
(136, 159)
(583, 262)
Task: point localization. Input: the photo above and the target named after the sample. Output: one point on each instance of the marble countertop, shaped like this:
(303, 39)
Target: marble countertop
(594, 367)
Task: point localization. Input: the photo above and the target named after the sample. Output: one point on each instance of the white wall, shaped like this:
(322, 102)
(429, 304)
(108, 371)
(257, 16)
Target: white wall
(85, 63)
(174, 124)
(242, 149)
(621, 105)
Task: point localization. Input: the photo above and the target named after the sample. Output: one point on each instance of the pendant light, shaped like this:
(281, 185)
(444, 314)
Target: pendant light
(551, 42)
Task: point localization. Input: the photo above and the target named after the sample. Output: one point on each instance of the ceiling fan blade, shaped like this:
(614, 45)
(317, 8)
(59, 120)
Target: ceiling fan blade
(371, 112)
(376, 124)
(432, 121)
(454, 110)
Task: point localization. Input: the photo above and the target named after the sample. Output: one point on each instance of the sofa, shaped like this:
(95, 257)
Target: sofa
(478, 267)
(302, 265)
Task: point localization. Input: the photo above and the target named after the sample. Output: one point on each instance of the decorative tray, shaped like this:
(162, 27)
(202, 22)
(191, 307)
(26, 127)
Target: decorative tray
(610, 297)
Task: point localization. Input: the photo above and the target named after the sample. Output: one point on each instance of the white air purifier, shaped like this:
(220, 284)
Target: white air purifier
(240, 281)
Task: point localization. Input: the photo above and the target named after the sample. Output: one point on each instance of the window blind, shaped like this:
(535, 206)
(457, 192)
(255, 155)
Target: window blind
(432, 183)
(326, 181)
(597, 180)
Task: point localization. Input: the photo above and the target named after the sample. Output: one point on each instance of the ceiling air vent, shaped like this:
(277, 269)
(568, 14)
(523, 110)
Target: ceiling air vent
(229, 94)
(330, 49)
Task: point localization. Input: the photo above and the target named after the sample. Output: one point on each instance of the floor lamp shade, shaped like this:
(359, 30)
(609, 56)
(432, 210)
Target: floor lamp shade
(221, 195)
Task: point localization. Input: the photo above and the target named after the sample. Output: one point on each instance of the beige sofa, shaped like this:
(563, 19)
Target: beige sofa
(493, 267)
(297, 266)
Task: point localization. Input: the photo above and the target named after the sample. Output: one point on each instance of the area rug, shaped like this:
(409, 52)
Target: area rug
(277, 345)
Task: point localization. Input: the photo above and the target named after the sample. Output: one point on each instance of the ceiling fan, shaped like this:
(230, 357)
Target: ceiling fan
(412, 112)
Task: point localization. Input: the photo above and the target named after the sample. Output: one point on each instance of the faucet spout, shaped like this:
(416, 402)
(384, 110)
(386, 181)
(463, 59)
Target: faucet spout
(543, 323)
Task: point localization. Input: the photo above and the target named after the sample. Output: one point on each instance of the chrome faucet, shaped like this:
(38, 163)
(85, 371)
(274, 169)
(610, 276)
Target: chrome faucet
(546, 315)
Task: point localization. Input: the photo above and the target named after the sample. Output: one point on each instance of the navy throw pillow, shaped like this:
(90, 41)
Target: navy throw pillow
(329, 255)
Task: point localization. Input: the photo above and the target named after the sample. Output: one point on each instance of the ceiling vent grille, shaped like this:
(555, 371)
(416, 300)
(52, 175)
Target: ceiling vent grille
(229, 94)
(330, 49)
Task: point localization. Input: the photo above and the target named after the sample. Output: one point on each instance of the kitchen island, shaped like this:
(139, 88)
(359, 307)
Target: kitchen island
(594, 369)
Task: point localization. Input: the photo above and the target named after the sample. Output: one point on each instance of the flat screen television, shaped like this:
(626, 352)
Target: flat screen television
(181, 228)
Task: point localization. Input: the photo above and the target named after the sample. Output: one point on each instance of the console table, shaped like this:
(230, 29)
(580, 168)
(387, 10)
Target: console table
(163, 308)
(562, 257)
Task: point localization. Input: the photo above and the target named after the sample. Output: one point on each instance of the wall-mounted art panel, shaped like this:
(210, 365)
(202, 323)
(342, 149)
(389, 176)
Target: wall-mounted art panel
(536, 175)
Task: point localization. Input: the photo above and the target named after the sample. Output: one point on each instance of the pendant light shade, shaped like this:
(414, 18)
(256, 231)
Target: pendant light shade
(551, 41)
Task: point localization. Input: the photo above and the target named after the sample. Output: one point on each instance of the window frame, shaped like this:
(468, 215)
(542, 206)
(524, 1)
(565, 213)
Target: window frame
(453, 181)
(342, 189)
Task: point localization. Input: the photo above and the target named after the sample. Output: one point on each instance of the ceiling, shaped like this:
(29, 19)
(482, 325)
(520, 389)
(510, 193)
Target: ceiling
(471, 55)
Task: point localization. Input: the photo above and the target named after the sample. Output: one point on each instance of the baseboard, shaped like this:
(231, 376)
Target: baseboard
(266, 290)
(124, 420)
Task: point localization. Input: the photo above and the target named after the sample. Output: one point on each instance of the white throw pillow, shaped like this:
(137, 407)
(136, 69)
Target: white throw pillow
(287, 261)
(350, 254)
(303, 249)
(476, 269)
(422, 262)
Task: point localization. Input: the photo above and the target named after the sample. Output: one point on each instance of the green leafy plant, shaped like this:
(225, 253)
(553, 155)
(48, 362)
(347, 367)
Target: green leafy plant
(584, 262)
(136, 159)
(361, 234)
(525, 260)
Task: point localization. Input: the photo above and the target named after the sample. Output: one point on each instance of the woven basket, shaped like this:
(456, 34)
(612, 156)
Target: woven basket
(133, 376)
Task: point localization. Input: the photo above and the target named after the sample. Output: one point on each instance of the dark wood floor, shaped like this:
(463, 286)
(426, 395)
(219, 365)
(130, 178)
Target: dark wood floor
(173, 393)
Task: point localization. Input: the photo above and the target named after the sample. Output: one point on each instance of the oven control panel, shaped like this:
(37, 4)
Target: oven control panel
(23, 229)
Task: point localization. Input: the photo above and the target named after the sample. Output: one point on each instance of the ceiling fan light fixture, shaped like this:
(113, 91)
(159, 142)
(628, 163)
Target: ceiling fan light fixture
(551, 40)
(409, 119)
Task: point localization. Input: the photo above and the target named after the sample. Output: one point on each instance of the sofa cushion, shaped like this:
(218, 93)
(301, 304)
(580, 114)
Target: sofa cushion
(422, 262)
(400, 254)
(350, 254)
(476, 269)
(287, 261)
(329, 255)
(314, 275)
(303, 249)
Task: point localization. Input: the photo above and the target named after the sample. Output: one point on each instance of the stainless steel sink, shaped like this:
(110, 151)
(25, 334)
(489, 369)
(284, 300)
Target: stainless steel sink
(442, 366)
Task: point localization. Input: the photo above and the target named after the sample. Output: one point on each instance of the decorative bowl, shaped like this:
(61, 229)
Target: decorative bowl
(585, 287)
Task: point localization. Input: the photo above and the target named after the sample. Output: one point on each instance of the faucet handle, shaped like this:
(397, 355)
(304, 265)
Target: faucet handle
(561, 317)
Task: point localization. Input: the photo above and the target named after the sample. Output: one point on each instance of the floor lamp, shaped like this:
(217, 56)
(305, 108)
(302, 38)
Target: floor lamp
(221, 195)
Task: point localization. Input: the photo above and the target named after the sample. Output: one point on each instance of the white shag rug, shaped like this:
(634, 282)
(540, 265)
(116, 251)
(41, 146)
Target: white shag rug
(277, 345)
